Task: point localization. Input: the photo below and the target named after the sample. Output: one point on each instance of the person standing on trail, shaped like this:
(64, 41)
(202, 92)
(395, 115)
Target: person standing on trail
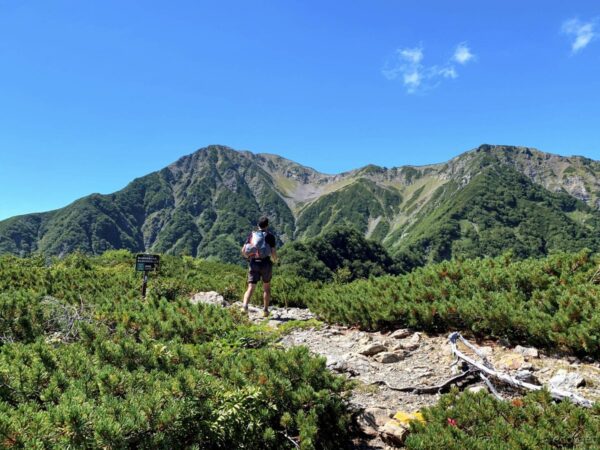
(259, 249)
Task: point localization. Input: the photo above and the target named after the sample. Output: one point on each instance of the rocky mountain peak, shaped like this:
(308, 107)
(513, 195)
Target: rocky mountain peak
(204, 203)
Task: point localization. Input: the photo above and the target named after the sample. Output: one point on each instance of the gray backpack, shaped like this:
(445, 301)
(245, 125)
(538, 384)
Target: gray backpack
(257, 247)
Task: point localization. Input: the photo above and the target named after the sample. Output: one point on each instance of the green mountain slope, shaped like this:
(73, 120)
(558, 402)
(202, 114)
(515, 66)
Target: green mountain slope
(362, 204)
(480, 203)
(498, 210)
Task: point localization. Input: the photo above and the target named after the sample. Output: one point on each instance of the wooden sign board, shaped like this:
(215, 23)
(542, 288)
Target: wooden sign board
(147, 263)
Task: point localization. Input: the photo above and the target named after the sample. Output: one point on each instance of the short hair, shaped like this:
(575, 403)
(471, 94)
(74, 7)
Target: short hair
(263, 222)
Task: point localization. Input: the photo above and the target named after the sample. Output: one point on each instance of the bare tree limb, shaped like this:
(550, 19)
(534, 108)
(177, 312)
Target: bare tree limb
(296, 445)
(557, 394)
(65, 318)
(469, 374)
(596, 277)
(491, 387)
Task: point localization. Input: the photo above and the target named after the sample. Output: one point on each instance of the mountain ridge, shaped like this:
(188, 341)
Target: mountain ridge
(204, 202)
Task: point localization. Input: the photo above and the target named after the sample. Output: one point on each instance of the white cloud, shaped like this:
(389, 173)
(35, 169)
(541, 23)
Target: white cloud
(462, 54)
(582, 33)
(412, 80)
(448, 72)
(412, 55)
(407, 66)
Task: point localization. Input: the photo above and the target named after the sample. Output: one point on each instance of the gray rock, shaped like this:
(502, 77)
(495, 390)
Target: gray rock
(389, 357)
(530, 352)
(526, 376)
(478, 388)
(371, 349)
(371, 419)
(209, 298)
(401, 333)
(486, 351)
(566, 380)
(364, 339)
(411, 343)
(334, 363)
(393, 433)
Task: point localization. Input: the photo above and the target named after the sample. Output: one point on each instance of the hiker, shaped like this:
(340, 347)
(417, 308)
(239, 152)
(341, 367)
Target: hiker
(259, 248)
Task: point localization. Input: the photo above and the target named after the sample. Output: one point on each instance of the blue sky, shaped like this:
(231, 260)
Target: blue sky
(96, 93)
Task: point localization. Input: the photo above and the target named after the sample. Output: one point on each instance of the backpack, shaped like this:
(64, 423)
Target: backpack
(257, 247)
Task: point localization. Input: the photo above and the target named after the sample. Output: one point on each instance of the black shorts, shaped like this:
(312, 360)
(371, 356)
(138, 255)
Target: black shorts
(260, 270)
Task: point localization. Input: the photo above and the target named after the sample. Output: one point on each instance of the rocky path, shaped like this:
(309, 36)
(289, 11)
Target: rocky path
(380, 362)
(405, 358)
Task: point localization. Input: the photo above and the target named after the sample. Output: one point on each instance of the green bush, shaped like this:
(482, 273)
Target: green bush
(86, 363)
(342, 254)
(548, 302)
(480, 422)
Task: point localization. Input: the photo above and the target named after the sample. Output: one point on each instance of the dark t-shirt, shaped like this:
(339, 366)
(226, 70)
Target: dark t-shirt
(269, 239)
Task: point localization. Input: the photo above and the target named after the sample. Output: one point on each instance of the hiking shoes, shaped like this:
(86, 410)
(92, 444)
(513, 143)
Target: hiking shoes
(266, 313)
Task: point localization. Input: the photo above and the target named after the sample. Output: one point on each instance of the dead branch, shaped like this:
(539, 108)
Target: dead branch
(289, 438)
(64, 318)
(491, 386)
(7, 339)
(469, 375)
(557, 394)
(596, 277)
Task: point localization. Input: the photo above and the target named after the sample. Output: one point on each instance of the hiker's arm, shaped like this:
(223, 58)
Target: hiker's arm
(274, 254)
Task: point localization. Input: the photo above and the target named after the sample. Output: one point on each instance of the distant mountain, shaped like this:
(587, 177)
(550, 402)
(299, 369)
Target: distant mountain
(483, 202)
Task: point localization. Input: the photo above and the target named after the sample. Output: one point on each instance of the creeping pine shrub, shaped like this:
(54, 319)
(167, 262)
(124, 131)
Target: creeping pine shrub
(551, 302)
(158, 373)
(481, 422)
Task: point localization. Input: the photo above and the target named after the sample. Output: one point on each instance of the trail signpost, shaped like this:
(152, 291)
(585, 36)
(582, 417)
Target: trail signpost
(146, 263)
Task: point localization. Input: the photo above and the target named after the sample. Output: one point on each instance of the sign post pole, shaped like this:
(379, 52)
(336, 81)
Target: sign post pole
(146, 263)
(144, 284)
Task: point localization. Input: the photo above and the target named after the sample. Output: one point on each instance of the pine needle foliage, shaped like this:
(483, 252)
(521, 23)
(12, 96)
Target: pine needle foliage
(158, 374)
(480, 422)
(550, 302)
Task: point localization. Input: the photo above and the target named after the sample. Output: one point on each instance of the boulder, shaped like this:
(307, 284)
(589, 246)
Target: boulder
(389, 357)
(529, 352)
(393, 433)
(371, 349)
(364, 339)
(511, 361)
(486, 351)
(209, 298)
(333, 363)
(371, 419)
(411, 343)
(566, 380)
(478, 388)
(526, 376)
(401, 333)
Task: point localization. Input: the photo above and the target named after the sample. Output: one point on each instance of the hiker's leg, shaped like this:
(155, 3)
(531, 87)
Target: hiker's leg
(266, 295)
(253, 277)
(267, 273)
(248, 294)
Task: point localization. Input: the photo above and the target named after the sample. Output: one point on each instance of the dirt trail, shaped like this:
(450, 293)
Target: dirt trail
(379, 362)
(405, 358)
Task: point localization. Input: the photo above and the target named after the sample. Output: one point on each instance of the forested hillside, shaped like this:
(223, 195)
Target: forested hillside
(480, 203)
